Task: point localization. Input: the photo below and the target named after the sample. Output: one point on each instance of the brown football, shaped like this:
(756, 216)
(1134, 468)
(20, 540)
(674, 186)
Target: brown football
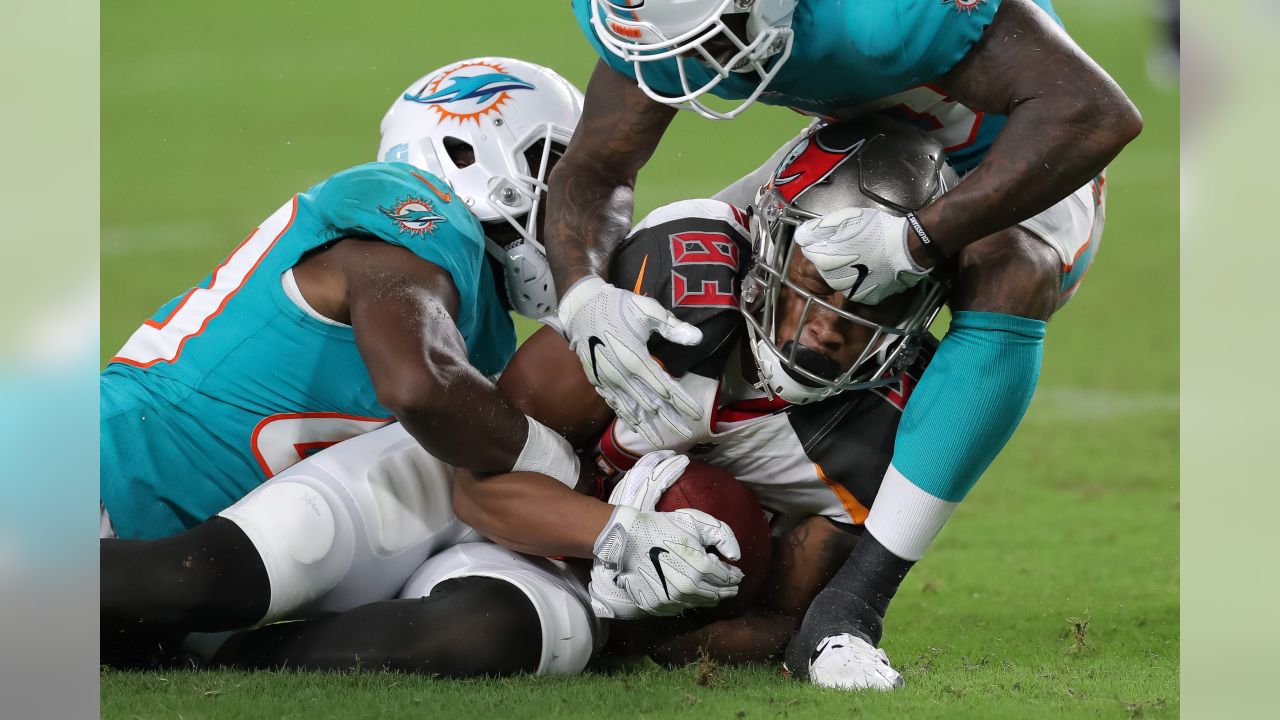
(719, 494)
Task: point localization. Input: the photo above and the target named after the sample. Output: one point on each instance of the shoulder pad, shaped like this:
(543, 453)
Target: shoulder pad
(395, 202)
(406, 206)
(690, 256)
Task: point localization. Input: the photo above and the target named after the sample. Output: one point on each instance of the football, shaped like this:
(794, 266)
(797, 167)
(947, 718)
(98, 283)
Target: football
(719, 494)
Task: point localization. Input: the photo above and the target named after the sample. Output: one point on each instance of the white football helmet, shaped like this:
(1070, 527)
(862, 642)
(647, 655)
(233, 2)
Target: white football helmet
(872, 162)
(646, 31)
(491, 127)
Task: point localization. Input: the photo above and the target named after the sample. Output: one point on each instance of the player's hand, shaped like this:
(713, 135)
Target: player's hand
(609, 329)
(660, 563)
(861, 252)
(850, 663)
(645, 482)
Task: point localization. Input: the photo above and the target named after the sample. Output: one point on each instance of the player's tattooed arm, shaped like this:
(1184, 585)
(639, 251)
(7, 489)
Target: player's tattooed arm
(591, 193)
(804, 560)
(402, 309)
(1067, 120)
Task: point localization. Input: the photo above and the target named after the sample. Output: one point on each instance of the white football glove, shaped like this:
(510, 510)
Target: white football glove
(644, 483)
(848, 662)
(861, 252)
(609, 329)
(652, 563)
(660, 562)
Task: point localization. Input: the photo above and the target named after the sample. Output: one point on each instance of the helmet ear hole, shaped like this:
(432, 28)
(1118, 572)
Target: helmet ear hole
(460, 152)
(533, 155)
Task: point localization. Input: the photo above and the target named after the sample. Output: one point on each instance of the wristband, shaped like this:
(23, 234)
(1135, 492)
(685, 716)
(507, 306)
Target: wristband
(935, 252)
(547, 453)
(575, 297)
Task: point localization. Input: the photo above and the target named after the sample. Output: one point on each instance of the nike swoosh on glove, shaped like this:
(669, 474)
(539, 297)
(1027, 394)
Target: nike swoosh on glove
(609, 329)
(660, 562)
(651, 563)
(861, 252)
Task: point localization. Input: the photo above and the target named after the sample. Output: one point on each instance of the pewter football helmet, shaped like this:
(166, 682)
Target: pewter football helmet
(873, 163)
(511, 118)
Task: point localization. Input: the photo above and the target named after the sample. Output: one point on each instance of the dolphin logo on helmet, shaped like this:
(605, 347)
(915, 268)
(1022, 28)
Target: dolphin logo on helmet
(490, 129)
(480, 88)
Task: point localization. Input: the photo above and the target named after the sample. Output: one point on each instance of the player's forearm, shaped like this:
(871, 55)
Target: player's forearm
(588, 215)
(460, 417)
(1049, 148)
(1066, 120)
(589, 196)
(531, 513)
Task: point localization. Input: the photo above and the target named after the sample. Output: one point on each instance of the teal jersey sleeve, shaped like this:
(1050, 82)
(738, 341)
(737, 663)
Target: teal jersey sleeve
(907, 43)
(844, 50)
(412, 208)
(409, 207)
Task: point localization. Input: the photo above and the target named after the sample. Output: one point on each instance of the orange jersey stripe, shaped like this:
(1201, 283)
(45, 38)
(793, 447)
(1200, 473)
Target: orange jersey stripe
(857, 511)
(640, 278)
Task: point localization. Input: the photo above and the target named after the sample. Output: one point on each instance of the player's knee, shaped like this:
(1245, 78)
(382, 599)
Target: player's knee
(1011, 272)
(556, 615)
(474, 626)
(303, 536)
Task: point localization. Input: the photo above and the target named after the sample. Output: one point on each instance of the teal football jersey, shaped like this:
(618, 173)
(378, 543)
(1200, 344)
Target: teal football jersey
(850, 57)
(233, 381)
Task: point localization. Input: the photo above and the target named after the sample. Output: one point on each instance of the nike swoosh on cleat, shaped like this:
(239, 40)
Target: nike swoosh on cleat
(822, 647)
(655, 553)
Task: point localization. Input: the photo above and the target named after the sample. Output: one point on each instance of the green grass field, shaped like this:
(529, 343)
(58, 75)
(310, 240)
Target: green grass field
(1052, 593)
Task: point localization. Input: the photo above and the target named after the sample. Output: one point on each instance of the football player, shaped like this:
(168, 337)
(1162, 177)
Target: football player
(365, 300)
(1019, 107)
(363, 314)
(802, 390)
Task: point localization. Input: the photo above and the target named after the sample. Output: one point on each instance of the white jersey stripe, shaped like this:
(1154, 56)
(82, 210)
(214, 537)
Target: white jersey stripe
(157, 342)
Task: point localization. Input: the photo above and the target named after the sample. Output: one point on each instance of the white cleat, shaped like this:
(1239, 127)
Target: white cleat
(848, 662)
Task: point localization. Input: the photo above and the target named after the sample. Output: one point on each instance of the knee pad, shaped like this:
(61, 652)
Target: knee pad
(570, 631)
(304, 536)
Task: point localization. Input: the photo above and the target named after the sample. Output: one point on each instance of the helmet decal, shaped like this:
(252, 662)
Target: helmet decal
(807, 165)
(487, 132)
(472, 91)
